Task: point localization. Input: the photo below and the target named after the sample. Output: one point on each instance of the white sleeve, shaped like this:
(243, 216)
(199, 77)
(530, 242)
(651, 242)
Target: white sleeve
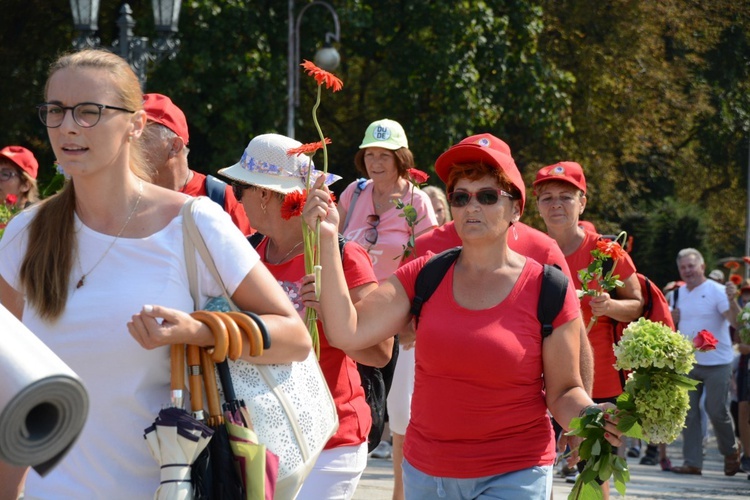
(13, 246)
(232, 253)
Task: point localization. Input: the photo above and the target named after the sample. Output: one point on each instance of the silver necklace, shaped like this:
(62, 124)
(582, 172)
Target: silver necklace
(82, 281)
(285, 256)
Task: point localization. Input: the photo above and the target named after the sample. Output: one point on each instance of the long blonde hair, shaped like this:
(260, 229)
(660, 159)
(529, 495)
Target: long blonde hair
(52, 246)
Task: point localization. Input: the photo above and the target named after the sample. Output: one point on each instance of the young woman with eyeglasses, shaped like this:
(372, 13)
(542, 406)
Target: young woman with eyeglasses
(18, 170)
(484, 376)
(78, 267)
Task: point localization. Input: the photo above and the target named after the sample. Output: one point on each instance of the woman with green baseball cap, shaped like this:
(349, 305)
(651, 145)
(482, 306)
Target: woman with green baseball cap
(369, 215)
(367, 207)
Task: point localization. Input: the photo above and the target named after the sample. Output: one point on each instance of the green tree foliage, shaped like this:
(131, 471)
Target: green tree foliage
(650, 97)
(663, 229)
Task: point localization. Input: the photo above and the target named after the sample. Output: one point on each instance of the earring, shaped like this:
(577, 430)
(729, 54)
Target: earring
(513, 230)
(263, 207)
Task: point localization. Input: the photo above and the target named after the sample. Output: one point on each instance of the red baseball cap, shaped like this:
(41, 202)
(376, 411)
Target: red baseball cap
(23, 158)
(566, 171)
(484, 148)
(160, 109)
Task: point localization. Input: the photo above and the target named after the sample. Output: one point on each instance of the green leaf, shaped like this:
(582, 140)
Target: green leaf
(596, 448)
(620, 486)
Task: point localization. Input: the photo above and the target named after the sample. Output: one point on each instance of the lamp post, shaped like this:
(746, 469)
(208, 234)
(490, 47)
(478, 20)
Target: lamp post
(326, 58)
(134, 49)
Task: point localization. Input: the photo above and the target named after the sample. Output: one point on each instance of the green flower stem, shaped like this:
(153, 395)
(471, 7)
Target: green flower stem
(310, 245)
(312, 240)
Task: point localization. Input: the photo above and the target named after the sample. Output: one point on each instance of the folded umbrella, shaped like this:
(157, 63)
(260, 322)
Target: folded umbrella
(259, 467)
(226, 482)
(175, 439)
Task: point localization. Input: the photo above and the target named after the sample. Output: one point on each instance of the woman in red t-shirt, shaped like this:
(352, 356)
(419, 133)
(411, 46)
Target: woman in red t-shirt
(561, 198)
(269, 183)
(484, 377)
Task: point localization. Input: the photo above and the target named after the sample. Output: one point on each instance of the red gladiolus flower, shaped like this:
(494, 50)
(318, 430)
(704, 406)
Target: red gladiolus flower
(746, 259)
(11, 199)
(322, 76)
(610, 248)
(736, 279)
(705, 341)
(307, 149)
(417, 176)
(293, 204)
(732, 264)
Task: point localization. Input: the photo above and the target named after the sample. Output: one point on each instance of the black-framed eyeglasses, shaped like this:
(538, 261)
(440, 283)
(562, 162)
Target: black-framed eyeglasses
(6, 175)
(371, 234)
(486, 196)
(85, 114)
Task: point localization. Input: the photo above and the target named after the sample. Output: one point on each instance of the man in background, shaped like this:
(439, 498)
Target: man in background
(165, 145)
(704, 304)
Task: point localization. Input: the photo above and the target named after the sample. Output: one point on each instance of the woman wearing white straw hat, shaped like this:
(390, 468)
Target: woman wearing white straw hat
(270, 184)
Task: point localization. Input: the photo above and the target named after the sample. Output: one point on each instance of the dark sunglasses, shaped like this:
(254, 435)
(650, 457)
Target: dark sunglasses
(237, 190)
(486, 196)
(371, 234)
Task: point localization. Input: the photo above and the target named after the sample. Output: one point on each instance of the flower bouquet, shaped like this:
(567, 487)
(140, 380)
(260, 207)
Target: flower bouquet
(311, 238)
(653, 406)
(594, 280)
(8, 209)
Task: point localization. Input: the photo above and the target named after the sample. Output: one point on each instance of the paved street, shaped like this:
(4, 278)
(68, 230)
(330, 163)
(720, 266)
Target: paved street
(647, 482)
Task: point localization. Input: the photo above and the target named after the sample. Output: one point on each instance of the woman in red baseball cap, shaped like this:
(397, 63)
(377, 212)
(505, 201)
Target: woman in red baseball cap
(18, 169)
(560, 191)
(485, 376)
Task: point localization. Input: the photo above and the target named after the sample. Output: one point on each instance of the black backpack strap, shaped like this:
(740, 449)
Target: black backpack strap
(216, 189)
(551, 297)
(648, 303)
(429, 278)
(255, 239)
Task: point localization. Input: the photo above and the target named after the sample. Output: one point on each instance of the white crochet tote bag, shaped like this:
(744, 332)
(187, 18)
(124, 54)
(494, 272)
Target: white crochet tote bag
(291, 406)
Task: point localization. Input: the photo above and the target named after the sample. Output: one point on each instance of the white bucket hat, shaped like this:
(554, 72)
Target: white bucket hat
(265, 163)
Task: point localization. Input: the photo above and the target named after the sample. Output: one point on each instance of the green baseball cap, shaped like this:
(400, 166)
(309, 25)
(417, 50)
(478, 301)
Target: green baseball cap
(385, 133)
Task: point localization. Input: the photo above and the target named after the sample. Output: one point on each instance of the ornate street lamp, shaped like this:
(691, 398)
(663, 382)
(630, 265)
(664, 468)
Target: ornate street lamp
(135, 49)
(326, 58)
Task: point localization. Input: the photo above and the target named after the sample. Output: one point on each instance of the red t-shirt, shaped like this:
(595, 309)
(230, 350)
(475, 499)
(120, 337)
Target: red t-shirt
(478, 407)
(197, 187)
(530, 243)
(339, 370)
(607, 382)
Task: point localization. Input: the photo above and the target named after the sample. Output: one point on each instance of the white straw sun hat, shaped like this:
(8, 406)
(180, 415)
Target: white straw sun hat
(265, 163)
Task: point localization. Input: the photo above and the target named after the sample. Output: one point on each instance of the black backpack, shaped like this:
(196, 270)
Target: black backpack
(551, 296)
(373, 382)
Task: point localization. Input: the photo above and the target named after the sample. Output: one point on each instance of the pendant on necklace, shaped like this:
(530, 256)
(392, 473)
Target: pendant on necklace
(80, 282)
